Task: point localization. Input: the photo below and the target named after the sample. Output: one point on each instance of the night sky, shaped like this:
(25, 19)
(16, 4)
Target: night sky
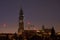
(38, 12)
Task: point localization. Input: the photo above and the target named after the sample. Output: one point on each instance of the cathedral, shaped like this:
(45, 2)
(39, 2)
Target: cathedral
(21, 30)
(28, 34)
(22, 34)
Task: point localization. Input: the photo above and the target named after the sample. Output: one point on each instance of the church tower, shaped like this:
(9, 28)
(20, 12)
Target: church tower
(21, 22)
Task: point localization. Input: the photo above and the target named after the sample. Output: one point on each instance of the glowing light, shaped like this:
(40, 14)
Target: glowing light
(4, 25)
(58, 33)
(28, 22)
(38, 31)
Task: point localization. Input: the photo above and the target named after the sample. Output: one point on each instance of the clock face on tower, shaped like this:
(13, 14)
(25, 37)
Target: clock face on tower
(21, 21)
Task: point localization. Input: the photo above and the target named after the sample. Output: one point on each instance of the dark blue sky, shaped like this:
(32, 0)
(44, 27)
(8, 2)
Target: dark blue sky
(39, 12)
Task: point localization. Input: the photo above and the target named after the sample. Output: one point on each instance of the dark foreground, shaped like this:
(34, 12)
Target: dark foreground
(34, 37)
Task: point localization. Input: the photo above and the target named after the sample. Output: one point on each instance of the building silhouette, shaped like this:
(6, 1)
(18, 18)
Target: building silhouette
(44, 34)
(21, 22)
(53, 34)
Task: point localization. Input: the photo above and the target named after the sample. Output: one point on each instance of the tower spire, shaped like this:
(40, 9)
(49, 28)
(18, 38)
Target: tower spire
(21, 22)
